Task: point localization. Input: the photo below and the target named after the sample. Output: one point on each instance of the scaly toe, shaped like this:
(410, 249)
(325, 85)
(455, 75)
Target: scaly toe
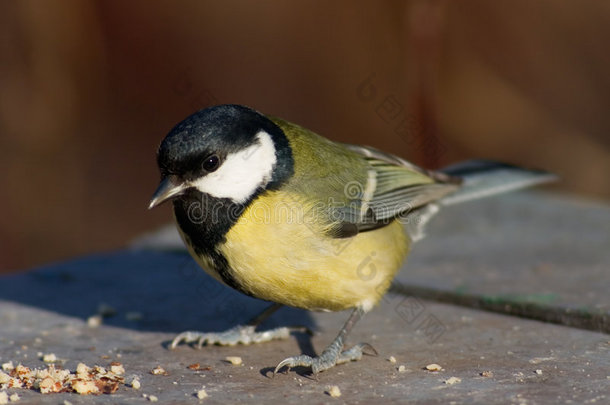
(355, 353)
(238, 335)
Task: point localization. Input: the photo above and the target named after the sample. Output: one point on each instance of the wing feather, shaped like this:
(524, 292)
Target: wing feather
(396, 187)
(385, 186)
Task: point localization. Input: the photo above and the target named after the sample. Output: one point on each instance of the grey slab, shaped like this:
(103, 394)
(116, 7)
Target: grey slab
(52, 303)
(542, 255)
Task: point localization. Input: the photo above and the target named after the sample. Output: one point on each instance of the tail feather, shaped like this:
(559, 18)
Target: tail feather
(479, 178)
(483, 178)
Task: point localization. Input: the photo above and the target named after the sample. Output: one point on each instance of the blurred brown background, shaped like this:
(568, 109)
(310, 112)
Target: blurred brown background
(89, 88)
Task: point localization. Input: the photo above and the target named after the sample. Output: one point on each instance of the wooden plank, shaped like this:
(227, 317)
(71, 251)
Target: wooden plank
(522, 361)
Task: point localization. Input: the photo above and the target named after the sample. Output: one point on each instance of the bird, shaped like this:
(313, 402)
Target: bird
(284, 215)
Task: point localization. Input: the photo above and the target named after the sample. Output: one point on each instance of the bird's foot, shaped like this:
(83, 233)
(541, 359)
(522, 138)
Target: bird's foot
(241, 334)
(331, 356)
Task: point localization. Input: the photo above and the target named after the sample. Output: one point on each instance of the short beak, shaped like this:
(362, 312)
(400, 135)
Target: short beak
(169, 187)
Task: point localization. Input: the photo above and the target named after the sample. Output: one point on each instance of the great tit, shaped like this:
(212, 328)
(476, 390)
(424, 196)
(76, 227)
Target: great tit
(284, 215)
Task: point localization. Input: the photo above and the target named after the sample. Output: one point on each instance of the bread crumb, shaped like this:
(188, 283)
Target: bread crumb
(66, 402)
(486, 373)
(47, 385)
(8, 366)
(3, 398)
(153, 398)
(99, 369)
(14, 398)
(85, 387)
(202, 394)
(433, 367)
(235, 360)
(158, 371)
(334, 391)
(117, 368)
(538, 371)
(82, 370)
(402, 368)
(135, 384)
(392, 359)
(452, 380)
(94, 321)
(4, 378)
(199, 367)
(49, 358)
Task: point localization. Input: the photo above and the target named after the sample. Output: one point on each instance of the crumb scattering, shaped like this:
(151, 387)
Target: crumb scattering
(94, 321)
(49, 358)
(85, 387)
(235, 360)
(82, 370)
(452, 380)
(84, 380)
(135, 384)
(433, 367)
(117, 368)
(4, 378)
(159, 371)
(334, 391)
(198, 367)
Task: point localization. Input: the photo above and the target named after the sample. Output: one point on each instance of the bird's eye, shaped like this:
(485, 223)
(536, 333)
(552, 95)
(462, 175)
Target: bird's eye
(211, 163)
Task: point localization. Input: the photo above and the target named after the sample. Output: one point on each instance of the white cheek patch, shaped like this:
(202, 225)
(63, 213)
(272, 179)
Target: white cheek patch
(242, 172)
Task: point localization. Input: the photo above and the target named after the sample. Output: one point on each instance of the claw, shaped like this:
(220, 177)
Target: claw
(371, 348)
(328, 359)
(295, 361)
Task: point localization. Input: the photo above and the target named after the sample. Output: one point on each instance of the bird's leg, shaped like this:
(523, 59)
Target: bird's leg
(334, 353)
(244, 334)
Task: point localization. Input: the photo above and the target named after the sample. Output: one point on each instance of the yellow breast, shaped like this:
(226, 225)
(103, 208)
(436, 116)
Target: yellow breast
(278, 252)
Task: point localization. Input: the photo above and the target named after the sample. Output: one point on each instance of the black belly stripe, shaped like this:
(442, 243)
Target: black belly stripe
(205, 221)
(222, 268)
